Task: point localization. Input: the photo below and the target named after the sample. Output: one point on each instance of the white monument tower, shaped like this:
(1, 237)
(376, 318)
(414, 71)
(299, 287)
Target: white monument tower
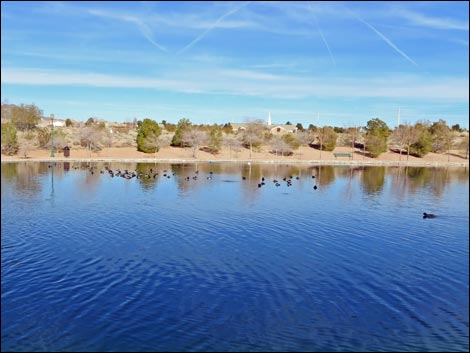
(269, 119)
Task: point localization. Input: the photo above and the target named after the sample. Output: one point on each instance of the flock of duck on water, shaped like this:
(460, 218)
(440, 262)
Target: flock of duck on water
(166, 174)
(127, 174)
(130, 174)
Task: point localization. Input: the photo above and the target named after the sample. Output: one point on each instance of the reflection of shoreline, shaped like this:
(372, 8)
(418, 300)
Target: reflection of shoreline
(189, 176)
(238, 161)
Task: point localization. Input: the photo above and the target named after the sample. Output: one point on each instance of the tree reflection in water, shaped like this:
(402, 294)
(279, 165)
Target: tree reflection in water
(373, 179)
(27, 176)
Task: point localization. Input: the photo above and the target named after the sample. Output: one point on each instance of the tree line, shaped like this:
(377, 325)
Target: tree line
(372, 139)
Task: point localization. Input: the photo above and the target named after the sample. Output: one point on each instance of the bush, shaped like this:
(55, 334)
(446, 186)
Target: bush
(441, 136)
(423, 144)
(9, 139)
(44, 135)
(376, 145)
(291, 141)
(227, 128)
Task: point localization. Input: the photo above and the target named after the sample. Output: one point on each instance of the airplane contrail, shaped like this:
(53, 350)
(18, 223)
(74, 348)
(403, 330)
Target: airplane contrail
(197, 39)
(323, 37)
(388, 41)
(143, 28)
(148, 35)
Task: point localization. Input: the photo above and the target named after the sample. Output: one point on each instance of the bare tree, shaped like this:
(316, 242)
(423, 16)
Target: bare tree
(305, 137)
(90, 137)
(232, 143)
(443, 137)
(401, 135)
(279, 144)
(158, 142)
(410, 135)
(253, 134)
(194, 138)
(464, 145)
(353, 133)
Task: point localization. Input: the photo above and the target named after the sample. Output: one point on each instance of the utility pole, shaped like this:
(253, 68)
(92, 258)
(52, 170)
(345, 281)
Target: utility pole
(52, 135)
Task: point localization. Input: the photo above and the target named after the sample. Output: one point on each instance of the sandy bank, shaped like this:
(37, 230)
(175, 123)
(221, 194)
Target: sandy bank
(304, 155)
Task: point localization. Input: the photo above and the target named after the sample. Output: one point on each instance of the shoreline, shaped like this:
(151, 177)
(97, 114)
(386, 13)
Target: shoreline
(303, 156)
(386, 163)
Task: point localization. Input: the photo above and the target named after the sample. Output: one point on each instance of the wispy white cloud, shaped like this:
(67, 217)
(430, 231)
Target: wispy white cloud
(248, 83)
(248, 74)
(419, 19)
(143, 27)
(460, 41)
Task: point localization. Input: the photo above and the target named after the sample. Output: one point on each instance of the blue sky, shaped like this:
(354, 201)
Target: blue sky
(326, 63)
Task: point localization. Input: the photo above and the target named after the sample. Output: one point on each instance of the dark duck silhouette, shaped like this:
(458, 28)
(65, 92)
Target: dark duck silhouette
(428, 215)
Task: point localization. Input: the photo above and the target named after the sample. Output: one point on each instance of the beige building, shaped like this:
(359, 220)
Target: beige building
(273, 128)
(45, 122)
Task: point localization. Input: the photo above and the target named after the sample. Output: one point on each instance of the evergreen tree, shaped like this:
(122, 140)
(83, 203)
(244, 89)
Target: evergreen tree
(215, 138)
(377, 133)
(147, 136)
(182, 126)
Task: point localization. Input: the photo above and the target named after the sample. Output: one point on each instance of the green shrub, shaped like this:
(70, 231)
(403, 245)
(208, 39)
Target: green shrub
(375, 145)
(423, 144)
(9, 139)
(44, 135)
(291, 141)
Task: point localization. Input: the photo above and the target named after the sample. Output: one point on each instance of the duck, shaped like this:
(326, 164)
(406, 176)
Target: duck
(428, 215)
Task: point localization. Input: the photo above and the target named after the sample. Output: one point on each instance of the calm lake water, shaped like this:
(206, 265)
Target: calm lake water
(92, 262)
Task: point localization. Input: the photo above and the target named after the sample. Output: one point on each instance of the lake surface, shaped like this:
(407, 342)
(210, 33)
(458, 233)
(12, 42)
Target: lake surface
(92, 262)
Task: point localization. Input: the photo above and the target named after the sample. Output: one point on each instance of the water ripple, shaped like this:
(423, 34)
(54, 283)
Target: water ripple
(223, 265)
